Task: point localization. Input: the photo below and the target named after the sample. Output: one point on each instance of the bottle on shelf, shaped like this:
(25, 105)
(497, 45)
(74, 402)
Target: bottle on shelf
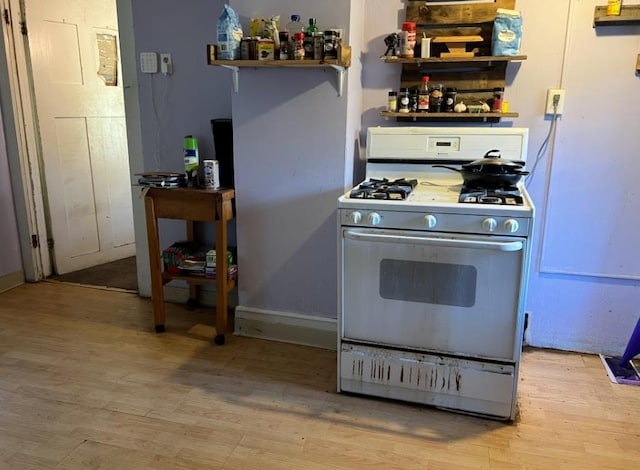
(294, 26)
(276, 36)
(312, 28)
(423, 95)
(285, 46)
(436, 97)
(392, 102)
(403, 100)
(298, 46)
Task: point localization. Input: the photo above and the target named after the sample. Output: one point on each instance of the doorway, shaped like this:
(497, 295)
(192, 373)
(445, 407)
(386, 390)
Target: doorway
(72, 130)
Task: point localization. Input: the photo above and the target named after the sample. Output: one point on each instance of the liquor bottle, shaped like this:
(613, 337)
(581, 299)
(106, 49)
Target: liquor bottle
(312, 28)
(423, 95)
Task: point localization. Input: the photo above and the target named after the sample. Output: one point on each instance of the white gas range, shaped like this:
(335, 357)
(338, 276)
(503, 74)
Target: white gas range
(432, 274)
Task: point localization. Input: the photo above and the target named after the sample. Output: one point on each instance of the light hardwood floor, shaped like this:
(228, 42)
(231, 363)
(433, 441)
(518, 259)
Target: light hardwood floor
(85, 383)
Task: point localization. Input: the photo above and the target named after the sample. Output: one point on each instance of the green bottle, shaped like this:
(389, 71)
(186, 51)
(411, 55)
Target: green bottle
(191, 160)
(312, 28)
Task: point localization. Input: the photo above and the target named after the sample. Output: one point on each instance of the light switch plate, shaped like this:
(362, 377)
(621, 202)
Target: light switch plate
(149, 62)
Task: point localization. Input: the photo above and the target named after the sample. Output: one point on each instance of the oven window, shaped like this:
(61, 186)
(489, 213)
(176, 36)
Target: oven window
(425, 282)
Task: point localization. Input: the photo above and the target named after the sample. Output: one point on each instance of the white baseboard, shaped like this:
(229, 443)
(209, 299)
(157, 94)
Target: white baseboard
(11, 280)
(286, 327)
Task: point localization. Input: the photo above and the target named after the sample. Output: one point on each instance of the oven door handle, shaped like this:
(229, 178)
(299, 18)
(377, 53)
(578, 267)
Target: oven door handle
(445, 242)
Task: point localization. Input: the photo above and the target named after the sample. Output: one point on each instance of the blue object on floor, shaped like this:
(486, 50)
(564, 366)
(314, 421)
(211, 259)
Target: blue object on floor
(633, 346)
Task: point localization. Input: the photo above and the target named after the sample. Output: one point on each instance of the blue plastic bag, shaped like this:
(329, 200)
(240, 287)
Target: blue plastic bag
(507, 33)
(229, 34)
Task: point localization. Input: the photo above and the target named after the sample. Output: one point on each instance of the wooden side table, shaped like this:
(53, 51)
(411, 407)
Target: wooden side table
(191, 205)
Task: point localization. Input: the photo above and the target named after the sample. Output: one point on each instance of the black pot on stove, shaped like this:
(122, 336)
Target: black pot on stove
(491, 171)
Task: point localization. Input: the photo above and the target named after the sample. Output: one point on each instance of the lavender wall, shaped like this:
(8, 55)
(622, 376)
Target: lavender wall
(10, 260)
(294, 143)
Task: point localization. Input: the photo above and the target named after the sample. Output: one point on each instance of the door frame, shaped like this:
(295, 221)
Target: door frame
(23, 145)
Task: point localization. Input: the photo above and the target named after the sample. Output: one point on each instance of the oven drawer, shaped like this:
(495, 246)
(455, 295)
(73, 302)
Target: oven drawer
(454, 294)
(458, 384)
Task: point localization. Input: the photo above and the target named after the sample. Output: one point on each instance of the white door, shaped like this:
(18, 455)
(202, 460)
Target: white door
(80, 111)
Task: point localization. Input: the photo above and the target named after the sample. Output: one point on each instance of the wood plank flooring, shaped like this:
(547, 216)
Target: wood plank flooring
(85, 384)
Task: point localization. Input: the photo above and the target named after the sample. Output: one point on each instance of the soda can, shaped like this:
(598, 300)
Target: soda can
(211, 174)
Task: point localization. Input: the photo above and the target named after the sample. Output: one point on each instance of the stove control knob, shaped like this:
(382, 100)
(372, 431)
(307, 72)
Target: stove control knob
(430, 221)
(356, 217)
(374, 218)
(489, 224)
(511, 225)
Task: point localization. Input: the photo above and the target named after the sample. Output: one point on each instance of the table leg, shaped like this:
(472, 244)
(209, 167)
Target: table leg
(222, 306)
(155, 266)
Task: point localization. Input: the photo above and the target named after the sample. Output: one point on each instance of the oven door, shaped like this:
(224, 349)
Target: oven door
(447, 293)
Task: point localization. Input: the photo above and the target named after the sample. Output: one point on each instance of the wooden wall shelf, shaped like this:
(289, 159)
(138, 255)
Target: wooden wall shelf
(629, 15)
(340, 65)
(448, 117)
(475, 75)
(484, 60)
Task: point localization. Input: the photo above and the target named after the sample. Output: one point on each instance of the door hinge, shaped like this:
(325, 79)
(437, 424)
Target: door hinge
(6, 17)
(35, 241)
(50, 243)
(23, 27)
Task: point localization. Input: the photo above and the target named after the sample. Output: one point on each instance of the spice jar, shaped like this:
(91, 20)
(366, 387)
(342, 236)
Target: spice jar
(413, 101)
(392, 103)
(245, 44)
(298, 46)
(498, 95)
(450, 99)
(408, 42)
(330, 44)
(436, 96)
(403, 100)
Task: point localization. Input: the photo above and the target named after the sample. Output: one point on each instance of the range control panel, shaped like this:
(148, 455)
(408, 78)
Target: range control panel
(436, 222)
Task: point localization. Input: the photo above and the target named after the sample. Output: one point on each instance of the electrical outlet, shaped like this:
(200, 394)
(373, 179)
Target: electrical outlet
(166, 66)
(558, 94)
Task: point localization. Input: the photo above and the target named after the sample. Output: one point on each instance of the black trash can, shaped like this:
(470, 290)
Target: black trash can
(222, 130)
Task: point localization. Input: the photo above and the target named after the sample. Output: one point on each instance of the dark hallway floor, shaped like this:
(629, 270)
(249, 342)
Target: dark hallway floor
(120, 274)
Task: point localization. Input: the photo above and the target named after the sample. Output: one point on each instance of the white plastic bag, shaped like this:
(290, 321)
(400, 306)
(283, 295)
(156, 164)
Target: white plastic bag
(229, 34)
(507, 33)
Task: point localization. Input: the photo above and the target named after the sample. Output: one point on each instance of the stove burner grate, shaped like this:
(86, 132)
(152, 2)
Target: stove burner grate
(510, 196)
(384, 188)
